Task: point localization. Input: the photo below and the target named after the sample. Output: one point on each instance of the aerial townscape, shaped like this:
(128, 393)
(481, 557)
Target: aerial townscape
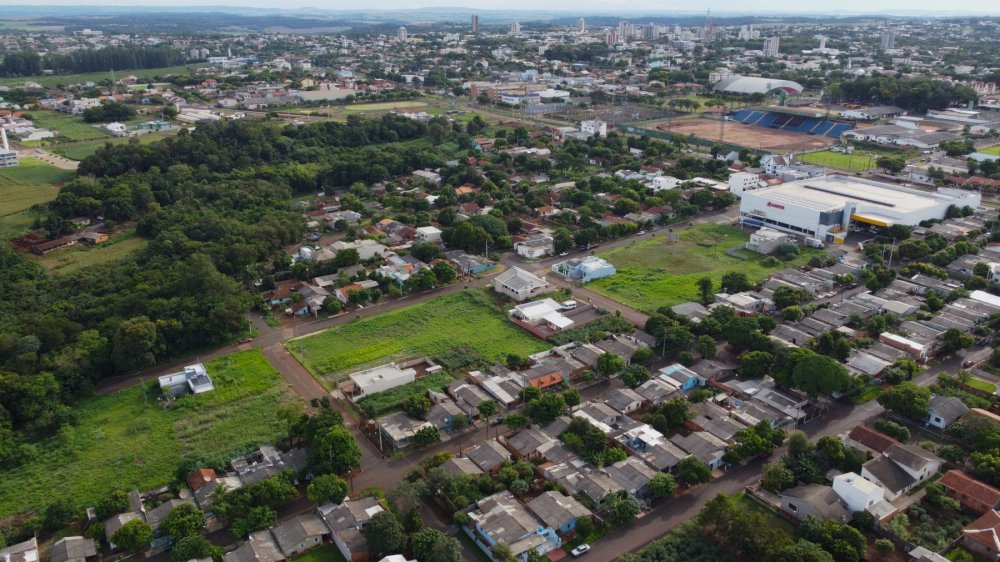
(394, 283)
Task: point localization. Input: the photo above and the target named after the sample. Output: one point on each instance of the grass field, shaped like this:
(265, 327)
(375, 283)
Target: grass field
(857, 162)
(30, 183)
(428, 328)
(122, 245)
(384, 106)
(655, 272)
(71, 127)
(130, 440)
(994, 150)
(83, 149)
(98, 77)
(980, 384)
(325, 553)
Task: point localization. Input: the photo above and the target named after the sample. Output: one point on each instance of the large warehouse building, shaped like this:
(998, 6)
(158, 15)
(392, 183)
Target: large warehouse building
(824, 207)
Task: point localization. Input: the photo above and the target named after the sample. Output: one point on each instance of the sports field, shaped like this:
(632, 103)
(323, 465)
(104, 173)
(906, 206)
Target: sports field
(384, 106)
(467, 318)
(994, 150)
(856, 162)
(656, 272)
(738, 134)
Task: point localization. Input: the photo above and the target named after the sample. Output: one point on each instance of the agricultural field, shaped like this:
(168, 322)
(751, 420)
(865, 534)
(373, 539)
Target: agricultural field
(467, 318)
(81, 150)
(119, 246)
(70, 127)
(656, 272)
(33, 182)
(994, 150)
(856, 162)
(131, 439)
(98, 77)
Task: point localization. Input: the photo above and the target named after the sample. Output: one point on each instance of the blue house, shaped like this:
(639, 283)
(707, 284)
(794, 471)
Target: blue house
(501, 518)
(684, 378)
(443, 412)
(584, 269)
(558, 511)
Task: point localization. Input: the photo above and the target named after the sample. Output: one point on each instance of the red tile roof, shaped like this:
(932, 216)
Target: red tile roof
(872, 439)
(964, 484)
(200, 478)
(985, 530)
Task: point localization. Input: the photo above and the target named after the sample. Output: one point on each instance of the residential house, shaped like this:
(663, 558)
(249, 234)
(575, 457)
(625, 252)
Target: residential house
(652, 447)
(535, 247)
(500, 518)
(868, 440)
(155, 516)
(468, 397)
(857, 493)
(398, 428)
(632, 475)
(430, 234)
(625, 400)
(468, 264)
(26, 551)
(702, 445)
(558, 511)
(193, 379)
(259, 547)
(685, 378)
(584, 269)
(461, 465)
(974, 495)
(982, 536)
(346, 520)
(343, 294)
(366, 248)
(489, 455)
(525, 443)
(300, 533)
(443, 412)
(115, 522)
(901, 468)
(656, 391)
(520, 285)
(71, 549)
(945, 410)
(813, 500)
(378, 379)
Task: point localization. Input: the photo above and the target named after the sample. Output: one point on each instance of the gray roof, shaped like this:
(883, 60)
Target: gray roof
(823, 499)
(351, 514)
(159, 513)
(503, 519)
(700, 444)
(913, 457)
(488, 455)
(527, 441)
(461, 465)
(26, 551)
(621, 398)
(115, 522)
(556, 509)
(631, 474)
(663, 455)
(948, 408)
(889, 474)
(72, 548)
(260, 547)
(297, 529)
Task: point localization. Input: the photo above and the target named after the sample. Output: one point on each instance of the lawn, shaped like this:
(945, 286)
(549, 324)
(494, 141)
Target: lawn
(994, 150)
(30, 183)
(656, 272)
(325, 553)
(857, 162)
(83, 149)
(130, 439)
(97, 77)
(121, 245)
(384, 106)
(430, 328)
(774, 520)
(72, 127)
(980, 384)
(393, 399)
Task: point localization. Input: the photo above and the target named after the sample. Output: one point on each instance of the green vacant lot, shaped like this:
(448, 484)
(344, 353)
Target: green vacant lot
(30, 183)
(466, 318)
(131, 439)
(99, 77)
(72, 127)
(121, 245)
(856, 162)
(994, 150)
(656, 272)
(83, 149)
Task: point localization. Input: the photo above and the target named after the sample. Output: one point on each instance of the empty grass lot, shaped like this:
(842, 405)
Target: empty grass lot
(428, 328)
(71, 127)
(655, 272)
(121, 245)
(147, 75)
(130, 440)
(81, 150)
(994, 150)
(384, 106)
(856, 162)
(980, 384)
(33, 182)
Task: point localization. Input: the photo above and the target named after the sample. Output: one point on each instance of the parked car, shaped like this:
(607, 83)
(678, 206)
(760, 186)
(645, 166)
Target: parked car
(246, 340)
(580, 550)
(968, 363)
(568, 305)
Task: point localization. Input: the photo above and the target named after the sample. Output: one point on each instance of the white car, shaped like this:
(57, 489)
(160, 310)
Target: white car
(580, 550)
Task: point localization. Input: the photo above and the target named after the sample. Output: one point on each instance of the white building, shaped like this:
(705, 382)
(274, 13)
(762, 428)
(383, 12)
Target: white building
(536, 247)
(116, 129)
(595, 127)
(856, 492)
(8, 158)
(545, 311)
(401, 34)
(429, 234)
(193, 379)
(379, 379)
(771, 46)
(366, 248)
(520, 285)
(825, 207)
(745, 181)
(766, 240)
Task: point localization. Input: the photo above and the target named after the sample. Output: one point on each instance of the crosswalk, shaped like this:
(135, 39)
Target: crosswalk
(274, 347)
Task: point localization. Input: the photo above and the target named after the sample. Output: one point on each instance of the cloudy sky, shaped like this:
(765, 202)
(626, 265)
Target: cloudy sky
(721, 7)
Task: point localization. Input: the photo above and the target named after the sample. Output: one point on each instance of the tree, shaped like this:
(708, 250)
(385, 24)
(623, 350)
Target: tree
(818, 374)
(692, 471)
(546, 409)
(705, 346)
(135, 344)
(417, 406)
(385, 535)
(735, 282)
(785, 296)
(58, 514)
(334, 451)
(426, 435)
(891, 164)
(846, 543)
(885, 546)
(754, 364)
(622, 508)
(444, 273)
(801, 551)
(572, 398)
(133, 536)
(954, 339)
(327, 488)
(634, 375)
(705, 290)
(185, 520)
(431, 545)
(777, 478)
(662, 485)
(907, 400)
(194, 547)
(502, 553)
(792, 313)
(609, 364)
(515, 421)
(115, 502)
(584, 527)
(487, 410)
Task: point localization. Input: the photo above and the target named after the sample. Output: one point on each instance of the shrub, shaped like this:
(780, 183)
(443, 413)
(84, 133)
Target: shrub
(892, 429)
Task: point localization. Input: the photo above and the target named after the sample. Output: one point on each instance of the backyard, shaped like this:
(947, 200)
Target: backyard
(467, 318)
(855, 162)
(120, 245)
(657, 272)
(130, 439)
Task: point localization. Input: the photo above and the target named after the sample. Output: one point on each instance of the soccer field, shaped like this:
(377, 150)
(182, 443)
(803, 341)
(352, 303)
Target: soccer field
(857, 162)
(994, 150)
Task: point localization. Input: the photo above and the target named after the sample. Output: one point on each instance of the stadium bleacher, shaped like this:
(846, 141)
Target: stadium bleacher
(791, 122)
